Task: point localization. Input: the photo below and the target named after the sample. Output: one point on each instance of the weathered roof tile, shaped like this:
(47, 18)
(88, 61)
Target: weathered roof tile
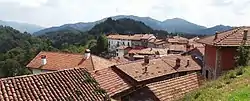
(72, 84)
(157, 67)
(110, 81)
(60, 60)
(232, 37)
(175, 88)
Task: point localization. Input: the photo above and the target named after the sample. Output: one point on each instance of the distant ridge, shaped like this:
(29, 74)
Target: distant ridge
(212, 30)
(170, 25)
(23, 27)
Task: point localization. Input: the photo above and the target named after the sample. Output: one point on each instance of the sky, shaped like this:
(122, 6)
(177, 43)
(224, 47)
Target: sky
(49, 13)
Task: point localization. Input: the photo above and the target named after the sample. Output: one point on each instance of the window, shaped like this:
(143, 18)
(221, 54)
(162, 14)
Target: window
(116, 54)
(128, 44)
(123, 43)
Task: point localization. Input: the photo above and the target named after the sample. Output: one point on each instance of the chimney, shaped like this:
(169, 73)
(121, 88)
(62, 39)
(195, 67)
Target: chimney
(146, 59)
(44, 60)
(86, 54)
(245, 34)
(216, 35)
(187, 63)
(178, 62)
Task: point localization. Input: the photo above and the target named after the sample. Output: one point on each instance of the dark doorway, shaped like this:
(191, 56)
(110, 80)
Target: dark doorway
(207, 74)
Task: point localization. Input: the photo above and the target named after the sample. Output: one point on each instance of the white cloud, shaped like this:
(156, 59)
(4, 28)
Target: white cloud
(57, 12)
(26, 3)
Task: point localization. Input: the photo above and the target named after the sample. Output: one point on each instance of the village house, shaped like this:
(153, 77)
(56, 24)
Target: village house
(142, 79)
(63, 85)
(52, 61)
(139, 53)
(156, 43)
(121, 45)
(220, 50)
(117, 40)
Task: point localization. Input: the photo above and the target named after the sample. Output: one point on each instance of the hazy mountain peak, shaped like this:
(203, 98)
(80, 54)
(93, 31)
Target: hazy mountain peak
(212, 30)
(31, 28)
(170, 25)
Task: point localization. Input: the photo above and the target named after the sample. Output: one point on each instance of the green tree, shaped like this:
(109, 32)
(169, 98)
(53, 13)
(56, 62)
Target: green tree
(102, 44)
(242, 58)
(11, 67)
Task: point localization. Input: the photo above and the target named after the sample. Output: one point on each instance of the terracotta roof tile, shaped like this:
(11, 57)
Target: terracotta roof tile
(72, 84)
(110, 81)
(119, 60)
(157, 41)
(175, 88)
(177, 47)
(151, 51)
(158, 67)
(131, 37)
(122, 47)
(178, 39)
(60, 60)
(233, 37)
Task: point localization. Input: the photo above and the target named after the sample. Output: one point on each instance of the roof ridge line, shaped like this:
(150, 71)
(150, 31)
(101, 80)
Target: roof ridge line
(176, 78)
(235, 30)
(202, 38)
(61, 52)
(43, 73)
(168, 64)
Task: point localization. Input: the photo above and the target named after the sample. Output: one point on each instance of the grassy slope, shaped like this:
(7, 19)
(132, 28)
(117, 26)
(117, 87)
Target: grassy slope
(230, 87)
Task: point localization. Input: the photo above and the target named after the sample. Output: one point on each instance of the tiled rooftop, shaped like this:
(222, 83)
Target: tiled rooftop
(119, 60)
(157, 41)
(177, 47)
(60, 60)
(110, 81)
(64, 85)
(131, 37)
(177, 39)
(140, 71)
(151, 51)
(122, 47)
(193, 42)
(175, 88)
(233, 37)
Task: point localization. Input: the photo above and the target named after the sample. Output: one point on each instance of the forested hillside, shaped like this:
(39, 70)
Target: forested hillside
(72, 40)
(17, 49)
(121, 26)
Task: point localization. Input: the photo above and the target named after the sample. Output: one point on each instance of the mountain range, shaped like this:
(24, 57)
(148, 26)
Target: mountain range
(170, 25)
(22, 27)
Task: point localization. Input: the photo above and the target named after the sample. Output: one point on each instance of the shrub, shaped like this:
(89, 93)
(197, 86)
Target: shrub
(242, 57)
(228, 82)
(239, 71)
(232, 75)
(197, 95)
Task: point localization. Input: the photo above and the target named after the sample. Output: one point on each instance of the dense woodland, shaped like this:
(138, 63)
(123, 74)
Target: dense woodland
(17, 49)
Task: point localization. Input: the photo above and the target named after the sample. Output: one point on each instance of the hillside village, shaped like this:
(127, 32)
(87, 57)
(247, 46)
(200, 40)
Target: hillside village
(141, 67)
